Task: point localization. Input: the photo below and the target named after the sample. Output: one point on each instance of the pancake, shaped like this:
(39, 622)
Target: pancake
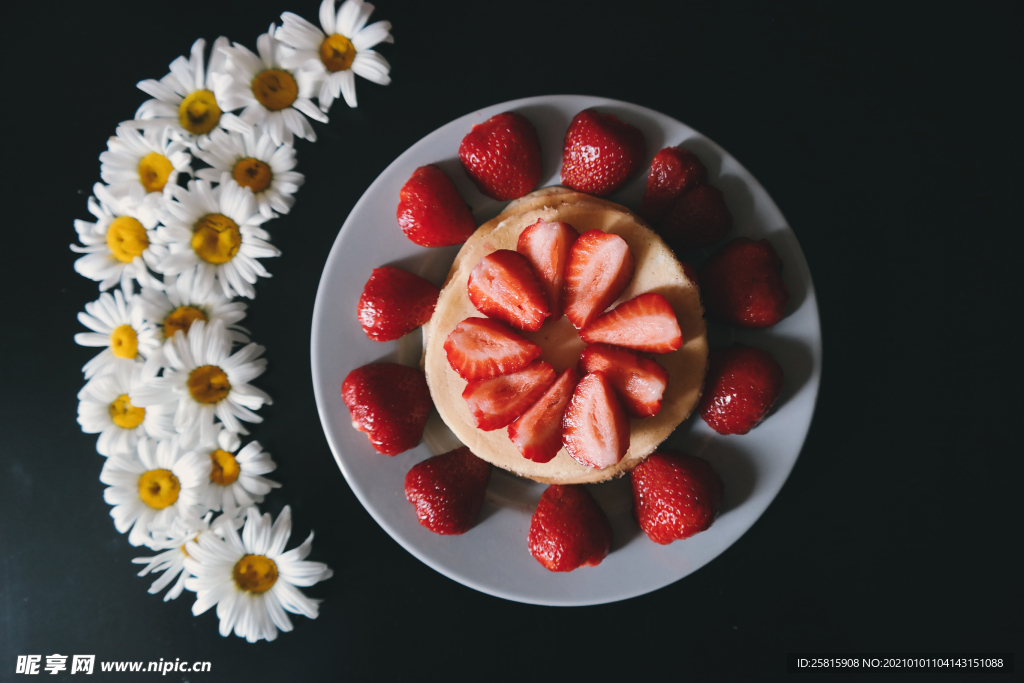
(657, 270)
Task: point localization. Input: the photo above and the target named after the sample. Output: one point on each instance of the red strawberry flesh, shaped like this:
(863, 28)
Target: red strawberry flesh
(395, 302)
(503, 286)
(639, 381)
(497, 401)
(502, 156)
(448, 490)
(675, 496)
(569, 529)
(742, 384)
(595, 429)
(537, 433)
(599, 268)
(547, 247)
(673, 172)
(479, 348)
(644, 323)
(430, 210)
(600, 153)
(389, 402)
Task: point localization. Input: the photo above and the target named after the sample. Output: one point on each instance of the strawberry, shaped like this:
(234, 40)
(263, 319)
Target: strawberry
(569, 529)
(640, 381)
(600, 153)
(395, 302)
(479, 348)
(595, 429)
(504, 286)
(495, 402)
(675, 496)
(547, 246)
(448, 490)
(502, 156)
(741, 385)
(430, 210)
(389, 402)
(599, 268)
(644, 323)
(698, 219)
(742, 284)
(674, 171)
(537, 433)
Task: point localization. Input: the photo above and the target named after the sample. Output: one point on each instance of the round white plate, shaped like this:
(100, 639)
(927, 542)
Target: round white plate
(493, 557)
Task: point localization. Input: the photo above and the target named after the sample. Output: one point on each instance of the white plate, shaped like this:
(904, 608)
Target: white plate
(493, 556)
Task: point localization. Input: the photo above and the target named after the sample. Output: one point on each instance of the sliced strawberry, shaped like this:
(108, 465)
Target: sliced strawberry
(599, 268)
(495, 402)
(569, 529)
(395, 302)
(698, 219)
(537, 433)
(644, 323)
(547, 246)
(640, 381)
(673, 171)
(448, 490)
(431, 212)
(595, 429)
(504, 286)
(479, 348)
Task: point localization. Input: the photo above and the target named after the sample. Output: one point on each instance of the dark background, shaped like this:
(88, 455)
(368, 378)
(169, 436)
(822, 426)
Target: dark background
(882, 130)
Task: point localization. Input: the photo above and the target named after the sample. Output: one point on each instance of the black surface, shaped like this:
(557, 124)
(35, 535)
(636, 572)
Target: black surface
(884, 132)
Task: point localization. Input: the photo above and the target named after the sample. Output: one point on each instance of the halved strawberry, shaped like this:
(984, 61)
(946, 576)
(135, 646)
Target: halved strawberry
(504, 286)
(640, 381)
(495, 402)
(479, 348)
(547, 247)
(599, 268)
(644, 323)
(595, 429)
(431, 212)
(537, 433)
(674, 170)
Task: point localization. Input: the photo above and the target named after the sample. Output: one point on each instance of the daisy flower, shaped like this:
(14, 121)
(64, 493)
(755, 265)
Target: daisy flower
(120, 245)
(152, 486)
(214, 234)
(183, 100)
(235, 475)
(251, 580)
(206, 380)
(255, 162)
(143, 166)
(272, 95)
(105, 407)
(116, 323)
(179, 303)
(339, 52)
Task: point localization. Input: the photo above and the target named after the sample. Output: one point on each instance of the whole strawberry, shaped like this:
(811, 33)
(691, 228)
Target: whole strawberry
(569, 529)
(389, 402)
(674, 171)
(448, 490)
(698, 219)
(675, 496)
(502, 156)
(742, 284)
(601, 152)
(395, 302)
(431, 212)
(741, 385)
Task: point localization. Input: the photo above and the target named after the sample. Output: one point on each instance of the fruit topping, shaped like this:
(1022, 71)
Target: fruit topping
(698, 219)
(480, 348)
(395, 302)
(547, 247)
(497, 401)
(537, 433)
(742, 284)
(644, 323)
(675, 496)
(595, 429)
(430, 210)
(599, 268)
(639, 381)
(448, 490)
(502, 156)
(741, 385)
(674, 171)
(569, 529)
(389, 402)
(503, 286)
(601, 152)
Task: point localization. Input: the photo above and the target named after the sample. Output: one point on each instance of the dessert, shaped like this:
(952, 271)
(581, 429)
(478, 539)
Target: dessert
(502, 156)
(675, 496)
(600, 153)
(674, 170)
(569, 530)
(395, 302)
(742, 384)
(389, 402)
(431, 212)
(743, 284)
(448, 490)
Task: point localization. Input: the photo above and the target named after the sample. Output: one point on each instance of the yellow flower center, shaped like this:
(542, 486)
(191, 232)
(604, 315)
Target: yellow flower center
(216, 238)
(275, 89)
(126, 238)
(337, 52)
(255, 573)
(154, 170)
(224, 469)
(159, 488)
(181, 318)
(198, 113)
(208, 384)
(124, 414)
(124, 343)
(252, 173)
